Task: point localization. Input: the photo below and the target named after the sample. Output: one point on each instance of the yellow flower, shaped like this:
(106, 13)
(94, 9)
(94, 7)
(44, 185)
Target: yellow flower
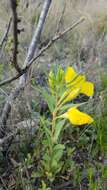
(77, 117)
(74, 80)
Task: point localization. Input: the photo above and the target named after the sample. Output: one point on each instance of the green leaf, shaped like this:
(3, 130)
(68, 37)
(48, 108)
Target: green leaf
(45, 165)
(50, 100)
(57, 152)
(48, 135)
(47, 157)
(58, 129)
(58, 146)
(44, 187)
(54, 164)
(70, 105)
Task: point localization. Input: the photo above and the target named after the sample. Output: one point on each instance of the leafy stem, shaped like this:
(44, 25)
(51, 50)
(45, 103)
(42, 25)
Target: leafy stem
(54, 117)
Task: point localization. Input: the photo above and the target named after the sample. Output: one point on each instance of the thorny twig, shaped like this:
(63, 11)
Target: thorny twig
(15, 34)
(54, 39)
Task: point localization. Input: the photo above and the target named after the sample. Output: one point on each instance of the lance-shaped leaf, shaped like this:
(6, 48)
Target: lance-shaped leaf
(58, 128)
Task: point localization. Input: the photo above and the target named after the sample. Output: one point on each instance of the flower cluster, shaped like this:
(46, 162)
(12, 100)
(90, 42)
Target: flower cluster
(75, 84)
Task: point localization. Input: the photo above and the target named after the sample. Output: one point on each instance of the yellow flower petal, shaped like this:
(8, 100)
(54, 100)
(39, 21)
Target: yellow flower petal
(71, 95)
(87, 88)
(79, 81)
(70, 74)
(72, 77)
(77, 117)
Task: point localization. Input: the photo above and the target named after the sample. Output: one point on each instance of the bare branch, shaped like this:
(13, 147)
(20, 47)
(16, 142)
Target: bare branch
(11, 79)
(55, 38)
(15, 34)
(35, 39)
(51, 42)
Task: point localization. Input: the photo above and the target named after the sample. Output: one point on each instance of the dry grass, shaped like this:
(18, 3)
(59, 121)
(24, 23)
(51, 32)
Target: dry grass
(91, 9)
